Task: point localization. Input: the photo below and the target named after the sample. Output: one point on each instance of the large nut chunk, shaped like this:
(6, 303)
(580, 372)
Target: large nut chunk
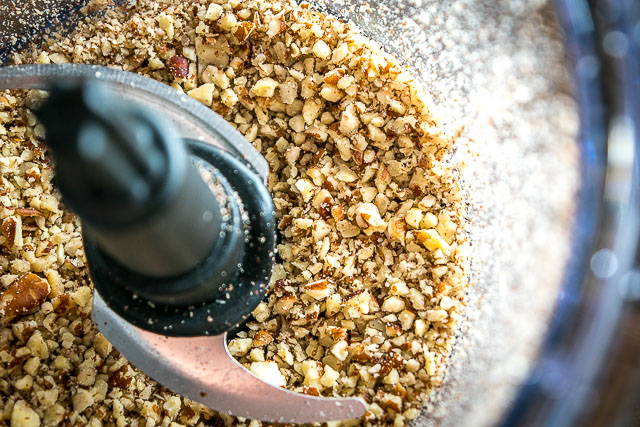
(81, 400)
(172, 406)
(320, 289)
(165, 22)
(261, 312)
(357, 304)
(12, 231)
(393, 304)
(432, 241)
(349, 122)
(229, 97)
(413, 217)
(329, 377)
(38, 346)
(214, 11)
(23, 416)
(276, 26)
(321, 49)
(340, 350)
(311, 110)
(240, 346)
(437, 315)
(331, 93)
(320, 230)
(429, 221)
(368, 217)
(333, 304)
(27, 292)
(265, 87)
(306, 188)
(446, 227)
(396, 229)
(203, 93)
(268, 372)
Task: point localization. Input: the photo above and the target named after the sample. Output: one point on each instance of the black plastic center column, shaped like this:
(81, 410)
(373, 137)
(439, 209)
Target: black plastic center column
(179, 235)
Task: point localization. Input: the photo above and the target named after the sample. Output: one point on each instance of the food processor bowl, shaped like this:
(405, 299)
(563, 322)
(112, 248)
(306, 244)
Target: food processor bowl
(542, 100)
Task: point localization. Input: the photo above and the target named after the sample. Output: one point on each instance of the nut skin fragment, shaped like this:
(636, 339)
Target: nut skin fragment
(179, 66)
(27, 292)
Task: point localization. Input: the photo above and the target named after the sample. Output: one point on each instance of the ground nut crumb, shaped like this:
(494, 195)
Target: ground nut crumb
(367, 293)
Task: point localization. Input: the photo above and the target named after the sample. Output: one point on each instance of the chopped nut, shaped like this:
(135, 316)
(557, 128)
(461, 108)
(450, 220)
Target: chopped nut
(393, 304)
(413, 217)
(38, 346)
(432, 241)
(268, 372)
(371, 219)
(203, 93)
(429, 221)
(82, 296)
(165, 22)
(23, 416)
(229, 97)
(306, 188)
(239, 346)
(321, 49)
(12, 231)
(311, 110)
(26, 292)
(318, 290)
(333, 304)
(329, 377)
(320, 230)
(82, 399)
(261, 312)
(276, 26)
(102, 345)
(436, 315)
(349, 123)
(331, 93)
(264, 87)
(172, 406)
(228, 22)
(406, 318)
(340, 350)
(214, 11)
(396, 229)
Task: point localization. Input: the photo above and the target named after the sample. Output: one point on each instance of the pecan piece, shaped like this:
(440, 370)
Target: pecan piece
(334, 76)
(28, 212)
(27, 292)
(10, 230)
(63, 303)
(262, 338)
(120, 378)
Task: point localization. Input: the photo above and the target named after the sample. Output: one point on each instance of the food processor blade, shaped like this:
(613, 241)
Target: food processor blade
(202, 369)
(199, 367)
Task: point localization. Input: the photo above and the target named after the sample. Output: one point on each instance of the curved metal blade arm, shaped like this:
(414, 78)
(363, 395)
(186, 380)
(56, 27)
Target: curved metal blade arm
(202, 369)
